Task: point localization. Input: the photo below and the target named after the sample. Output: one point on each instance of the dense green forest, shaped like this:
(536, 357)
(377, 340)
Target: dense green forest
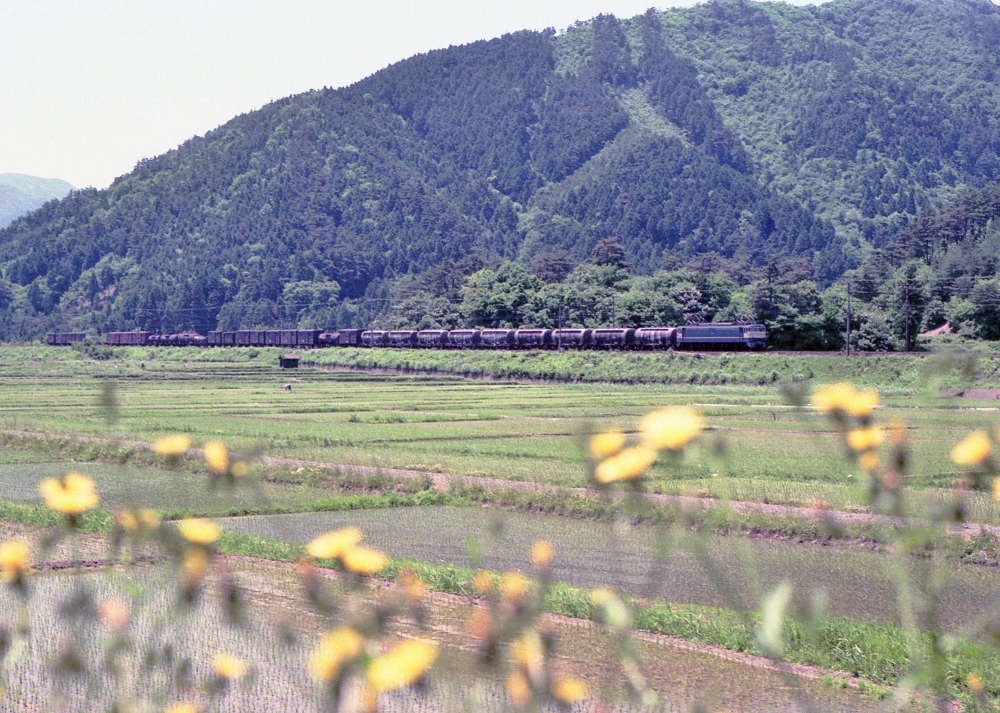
(729, 159)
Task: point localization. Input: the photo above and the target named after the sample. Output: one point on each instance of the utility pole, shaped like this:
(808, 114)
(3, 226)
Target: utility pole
(848, 320)
(906, 327)
(560, 324)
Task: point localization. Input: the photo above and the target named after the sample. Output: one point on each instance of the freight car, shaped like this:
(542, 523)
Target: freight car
(127, 339)
(64, 339)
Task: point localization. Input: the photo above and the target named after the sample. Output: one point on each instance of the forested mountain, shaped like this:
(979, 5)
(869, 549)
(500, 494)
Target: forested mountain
(20, 194)
(766, 143)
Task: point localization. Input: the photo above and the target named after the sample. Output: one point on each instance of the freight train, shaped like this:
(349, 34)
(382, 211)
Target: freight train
(697, 337)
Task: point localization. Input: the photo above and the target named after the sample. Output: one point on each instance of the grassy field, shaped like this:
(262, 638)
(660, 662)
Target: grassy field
(857, 584)
(446, 425)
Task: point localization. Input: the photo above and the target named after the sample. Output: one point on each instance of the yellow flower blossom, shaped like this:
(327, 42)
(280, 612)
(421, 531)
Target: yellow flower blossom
(239, 469)
(143, 519)
(71, 495)
(114, 614)
(412, 585)
(333, 544)
(194, 565)
(528, 654)
(518, 689)
(513, 586)
(869, 461)
(865, 439)
(182, 708)
(672, 427)
(601, 596)
(627, 465)
(542, 553)
(199, 531)
(172, 446)
(334, 650)
(996, 489)
(974, 450)
(569, 690)
(482, 582)
(603, 445)
(229, 667)
(897, 432)
(403, 665)
(364, 560)
(216, 456)
(843, 397)
(14, 561)
(975, 683)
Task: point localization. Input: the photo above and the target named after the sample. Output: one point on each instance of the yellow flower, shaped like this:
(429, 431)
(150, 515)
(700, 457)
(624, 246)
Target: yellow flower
(172, 446)
(71, 495)
(513, 586)
(975, 683)
(229, 667)
(199, 531)
(182, 708)
(569, 690)
(868, 461)
(974, 450)
(405, 664)
(482, 582)
(996, 489)
(627, 465)
(542, 553)
(239, 469)
(14, 560)
(519, 689)
(844, 397)
(528, 653)
(136, 520)
(364, 560)
(333, 544)
(217, 456)
(865, 439)
(897, 432)
(412, 585)
(194, 566)
(334, 650)
(672, 427)
(114, 614)
(606, 444)
(601, 596)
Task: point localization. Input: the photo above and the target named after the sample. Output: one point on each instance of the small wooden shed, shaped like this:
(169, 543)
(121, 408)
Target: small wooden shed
(289, 361)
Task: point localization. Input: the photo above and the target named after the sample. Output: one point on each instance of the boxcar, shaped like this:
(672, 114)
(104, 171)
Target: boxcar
(432, 338)
(464, 338)
(402, 338)
(533, 338)
(656, 338)
(497, 338)
(308, 337)
(350, 337)
(127, 339)
(374, 338)
(62, 339)
(572, 338)
(614, 338)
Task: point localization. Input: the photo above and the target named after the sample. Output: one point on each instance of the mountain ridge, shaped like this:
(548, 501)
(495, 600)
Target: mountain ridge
(816, 132)
(20, 194)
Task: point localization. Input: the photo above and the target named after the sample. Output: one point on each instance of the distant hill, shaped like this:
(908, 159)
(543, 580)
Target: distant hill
(20, 194)
(736, 130)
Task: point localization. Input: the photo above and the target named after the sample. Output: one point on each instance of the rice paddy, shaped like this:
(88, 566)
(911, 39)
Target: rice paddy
(447, 427)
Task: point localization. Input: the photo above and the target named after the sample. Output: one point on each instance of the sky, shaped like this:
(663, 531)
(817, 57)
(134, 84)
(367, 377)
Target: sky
(90, 87)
